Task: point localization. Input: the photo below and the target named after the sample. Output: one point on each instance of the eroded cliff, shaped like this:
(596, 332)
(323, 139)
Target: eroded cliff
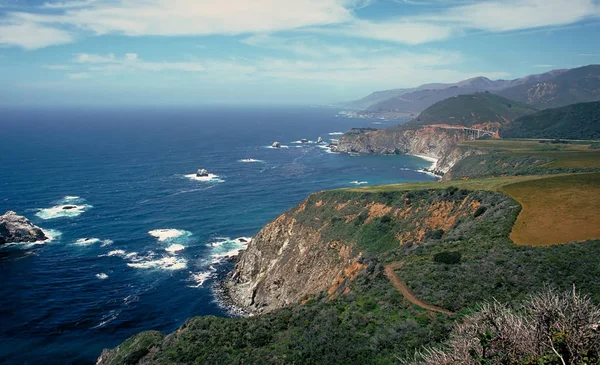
(435, 142)
(319, 246)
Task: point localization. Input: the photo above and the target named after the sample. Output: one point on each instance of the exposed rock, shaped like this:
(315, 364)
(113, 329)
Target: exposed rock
(201, 173)
(276, 145)
(283, 263)
(320, 140)
(69, 207)
(15, 228)
(438, 143)
(304, 140)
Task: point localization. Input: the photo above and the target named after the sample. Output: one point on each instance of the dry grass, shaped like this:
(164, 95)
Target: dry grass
(556, 209)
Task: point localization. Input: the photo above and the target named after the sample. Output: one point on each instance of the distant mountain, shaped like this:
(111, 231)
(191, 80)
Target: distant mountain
(418, 99)
(376, 97)
(576, 121)
(479, 110)
(577, 85)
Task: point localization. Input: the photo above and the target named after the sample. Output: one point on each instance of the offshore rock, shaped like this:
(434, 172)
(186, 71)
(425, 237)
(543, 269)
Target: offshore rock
(15, 228)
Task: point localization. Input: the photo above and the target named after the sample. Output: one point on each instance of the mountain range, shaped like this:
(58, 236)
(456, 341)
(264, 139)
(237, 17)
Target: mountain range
(546, 90)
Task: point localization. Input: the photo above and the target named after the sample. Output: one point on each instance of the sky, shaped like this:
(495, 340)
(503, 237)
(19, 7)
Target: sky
(201, 52)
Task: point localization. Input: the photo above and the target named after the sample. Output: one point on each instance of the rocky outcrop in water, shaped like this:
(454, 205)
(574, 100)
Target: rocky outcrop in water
(438, 143)
(15, 228)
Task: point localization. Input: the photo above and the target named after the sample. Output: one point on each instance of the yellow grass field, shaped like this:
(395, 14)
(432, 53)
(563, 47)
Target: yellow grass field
(557, 209)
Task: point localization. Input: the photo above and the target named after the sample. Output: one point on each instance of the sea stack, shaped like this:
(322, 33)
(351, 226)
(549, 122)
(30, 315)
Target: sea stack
(319, 140)
(202, 173)
(276, 145)
(15, 229)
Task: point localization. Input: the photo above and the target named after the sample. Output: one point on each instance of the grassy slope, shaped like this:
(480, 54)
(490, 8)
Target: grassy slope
(526, 157)
(557, 209)
(576, 121)
(467, 110)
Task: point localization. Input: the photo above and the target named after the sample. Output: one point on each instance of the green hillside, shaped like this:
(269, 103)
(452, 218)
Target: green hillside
(578, 85)
(578, 121)
(473, 109)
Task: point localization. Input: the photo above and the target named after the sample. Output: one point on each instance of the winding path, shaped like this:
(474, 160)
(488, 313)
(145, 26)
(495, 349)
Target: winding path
(390, 272)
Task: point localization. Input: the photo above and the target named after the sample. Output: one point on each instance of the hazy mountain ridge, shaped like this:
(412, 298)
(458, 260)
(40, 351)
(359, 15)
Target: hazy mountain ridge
(414, 100)
(578, 85)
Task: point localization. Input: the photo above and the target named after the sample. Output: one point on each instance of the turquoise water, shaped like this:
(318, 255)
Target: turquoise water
(145, 244)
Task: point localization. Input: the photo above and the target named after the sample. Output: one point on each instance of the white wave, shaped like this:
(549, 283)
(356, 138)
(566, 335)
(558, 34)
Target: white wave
(174, 248)
(429, 173)
(209, 178)
(276, 148)
(87, 241)
(106, 243)
(67, 208)
(120, 253)
(102, 276)
(328, 149)
(359, 182)
(199, 278)
(169, 234)
(107, 318)
(71, 198)
(251, 160)
(336, 133)
(165, 263)
(227, 248)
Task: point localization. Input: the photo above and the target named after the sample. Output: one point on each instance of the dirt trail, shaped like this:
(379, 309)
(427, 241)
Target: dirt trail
(403, 289)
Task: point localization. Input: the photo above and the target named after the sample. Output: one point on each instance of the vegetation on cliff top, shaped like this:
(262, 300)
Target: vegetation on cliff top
(365, 320)
(577, 121)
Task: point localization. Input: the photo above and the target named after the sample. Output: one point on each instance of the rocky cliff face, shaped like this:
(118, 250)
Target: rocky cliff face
(15, 228)
(285, 262)
(433, 142)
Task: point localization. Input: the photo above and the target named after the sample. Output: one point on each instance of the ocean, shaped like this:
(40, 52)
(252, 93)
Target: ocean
(144, 241)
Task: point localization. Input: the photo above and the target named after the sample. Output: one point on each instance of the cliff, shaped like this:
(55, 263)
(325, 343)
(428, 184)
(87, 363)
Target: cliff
(285, 262)
(435, 142)
(320, 245)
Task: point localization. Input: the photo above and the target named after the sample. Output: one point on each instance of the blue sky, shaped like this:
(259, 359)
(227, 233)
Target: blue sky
(194, 52)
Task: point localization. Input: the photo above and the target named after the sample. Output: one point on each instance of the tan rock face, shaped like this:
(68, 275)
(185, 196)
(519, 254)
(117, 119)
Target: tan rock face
(284, 263)
(434, 142)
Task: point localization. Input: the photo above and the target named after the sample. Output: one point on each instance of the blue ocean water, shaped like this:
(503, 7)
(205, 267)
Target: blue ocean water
(141, 248)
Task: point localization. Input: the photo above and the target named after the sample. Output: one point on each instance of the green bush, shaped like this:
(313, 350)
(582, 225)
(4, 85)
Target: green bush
(447, 257)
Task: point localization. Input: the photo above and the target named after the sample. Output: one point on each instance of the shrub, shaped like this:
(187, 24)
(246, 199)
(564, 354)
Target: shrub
(550, 328)
(479, 211)
(447, 257)
(434, 235)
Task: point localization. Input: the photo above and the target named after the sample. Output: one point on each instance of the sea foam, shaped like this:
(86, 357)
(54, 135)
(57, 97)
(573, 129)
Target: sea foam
(359, 182)
(169, 234)
(69, 206)
(336, 133)
(209, 178)
(251, 160)
(102, 276)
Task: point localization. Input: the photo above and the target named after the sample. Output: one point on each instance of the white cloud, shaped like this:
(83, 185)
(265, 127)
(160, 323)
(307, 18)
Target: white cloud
(131, 61)
(400, 31)
(499, 16)
(30, 35)
(67, 4)
(35, 29)
(79, 75)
